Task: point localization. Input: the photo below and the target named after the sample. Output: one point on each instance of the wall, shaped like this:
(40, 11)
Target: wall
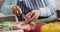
(57, 2)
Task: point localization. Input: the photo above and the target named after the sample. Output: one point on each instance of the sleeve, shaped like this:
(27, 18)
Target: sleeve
(49, 8)
(7, 5)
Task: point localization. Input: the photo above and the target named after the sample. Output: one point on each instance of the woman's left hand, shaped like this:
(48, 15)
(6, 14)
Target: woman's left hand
(34, 14)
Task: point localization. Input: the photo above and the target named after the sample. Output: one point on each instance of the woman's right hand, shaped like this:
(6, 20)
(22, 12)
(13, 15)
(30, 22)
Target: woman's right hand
(16, 10)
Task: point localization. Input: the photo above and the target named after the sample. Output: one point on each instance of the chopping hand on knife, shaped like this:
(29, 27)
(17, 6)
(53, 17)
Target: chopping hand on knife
(34, 14)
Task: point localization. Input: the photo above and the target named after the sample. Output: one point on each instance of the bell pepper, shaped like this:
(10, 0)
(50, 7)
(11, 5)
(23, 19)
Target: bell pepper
(50, 28)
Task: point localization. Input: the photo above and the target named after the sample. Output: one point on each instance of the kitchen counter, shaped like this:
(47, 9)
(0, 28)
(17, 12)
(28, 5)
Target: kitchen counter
(2, 15)
(7, 17)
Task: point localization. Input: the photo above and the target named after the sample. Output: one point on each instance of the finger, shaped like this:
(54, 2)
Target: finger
(34, 17)
(19, 9)
(30, 14)
(14, 10)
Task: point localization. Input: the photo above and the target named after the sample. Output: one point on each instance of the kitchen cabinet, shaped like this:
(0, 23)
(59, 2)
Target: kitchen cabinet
(58, 13)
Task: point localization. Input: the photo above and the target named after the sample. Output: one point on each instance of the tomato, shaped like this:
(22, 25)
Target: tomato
(38, 26)
(25, 30)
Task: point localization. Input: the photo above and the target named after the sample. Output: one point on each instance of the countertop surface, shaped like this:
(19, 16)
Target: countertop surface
(2, 15)
(7, 17)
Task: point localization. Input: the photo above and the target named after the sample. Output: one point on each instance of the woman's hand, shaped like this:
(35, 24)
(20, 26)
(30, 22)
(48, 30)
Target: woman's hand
(34, 14)
(16, 10)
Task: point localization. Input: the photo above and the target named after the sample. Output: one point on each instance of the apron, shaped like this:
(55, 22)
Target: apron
(25, 9)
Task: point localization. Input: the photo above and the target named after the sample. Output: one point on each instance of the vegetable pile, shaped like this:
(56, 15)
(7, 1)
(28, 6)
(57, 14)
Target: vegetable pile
(8, 26)
(31, 27)
(51, 27)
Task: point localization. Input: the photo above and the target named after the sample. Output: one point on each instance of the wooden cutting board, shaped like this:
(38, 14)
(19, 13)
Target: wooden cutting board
(9, 18)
